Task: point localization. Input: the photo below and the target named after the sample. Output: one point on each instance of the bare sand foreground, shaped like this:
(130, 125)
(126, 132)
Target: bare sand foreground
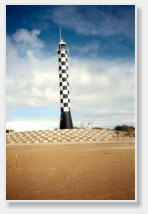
(71, 172)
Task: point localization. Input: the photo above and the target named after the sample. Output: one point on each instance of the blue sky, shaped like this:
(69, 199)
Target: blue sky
(101, 41)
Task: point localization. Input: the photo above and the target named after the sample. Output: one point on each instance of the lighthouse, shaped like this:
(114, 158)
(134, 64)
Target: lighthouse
(65, 119)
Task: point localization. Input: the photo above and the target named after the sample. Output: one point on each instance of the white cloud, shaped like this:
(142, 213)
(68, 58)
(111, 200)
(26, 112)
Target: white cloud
(101, 90)
(99, 22)
(29, 125)
(30, 80)
(25, 37)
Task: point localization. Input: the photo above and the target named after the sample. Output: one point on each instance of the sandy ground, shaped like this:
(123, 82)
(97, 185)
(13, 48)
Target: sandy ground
(71, 172)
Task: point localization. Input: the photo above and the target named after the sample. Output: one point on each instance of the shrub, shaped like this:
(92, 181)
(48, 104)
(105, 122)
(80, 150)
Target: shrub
(125, 128)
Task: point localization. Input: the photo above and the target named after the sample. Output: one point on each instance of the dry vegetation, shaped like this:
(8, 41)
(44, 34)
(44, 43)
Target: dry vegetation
(129, 130)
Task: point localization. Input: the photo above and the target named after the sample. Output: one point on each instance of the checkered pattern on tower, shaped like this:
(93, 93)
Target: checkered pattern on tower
(63, 77)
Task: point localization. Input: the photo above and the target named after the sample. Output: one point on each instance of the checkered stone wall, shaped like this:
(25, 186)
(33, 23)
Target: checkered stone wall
(68, 136)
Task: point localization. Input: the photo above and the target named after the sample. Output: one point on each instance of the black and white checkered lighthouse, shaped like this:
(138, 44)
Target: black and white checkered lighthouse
(65, 120)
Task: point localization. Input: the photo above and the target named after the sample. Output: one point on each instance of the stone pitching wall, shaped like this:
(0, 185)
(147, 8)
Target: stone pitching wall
(68, 136)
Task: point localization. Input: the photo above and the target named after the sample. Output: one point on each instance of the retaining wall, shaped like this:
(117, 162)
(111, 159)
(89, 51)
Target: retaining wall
(68, 136)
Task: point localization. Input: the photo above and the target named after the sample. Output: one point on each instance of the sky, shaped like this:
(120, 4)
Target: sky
(101, 43)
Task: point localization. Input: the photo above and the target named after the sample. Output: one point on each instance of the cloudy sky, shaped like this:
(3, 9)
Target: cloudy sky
(101, 42)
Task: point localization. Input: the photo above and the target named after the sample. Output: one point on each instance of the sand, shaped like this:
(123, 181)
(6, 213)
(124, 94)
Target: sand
(71, 172)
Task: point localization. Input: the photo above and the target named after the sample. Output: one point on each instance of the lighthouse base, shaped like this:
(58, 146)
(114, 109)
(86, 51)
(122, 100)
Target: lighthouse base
(65, 120)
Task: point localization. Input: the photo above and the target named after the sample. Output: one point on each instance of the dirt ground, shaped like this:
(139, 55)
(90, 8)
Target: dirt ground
(71, 172)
